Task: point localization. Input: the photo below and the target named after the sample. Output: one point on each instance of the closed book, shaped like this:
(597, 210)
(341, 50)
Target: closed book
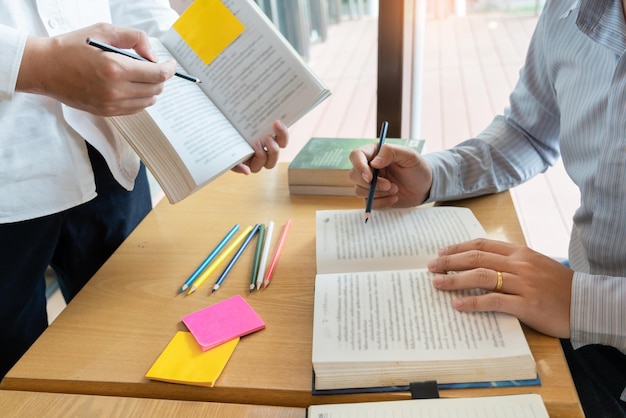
(322, 165)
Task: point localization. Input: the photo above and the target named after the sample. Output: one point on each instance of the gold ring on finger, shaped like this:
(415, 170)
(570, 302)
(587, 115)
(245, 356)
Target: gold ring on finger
(498, 288)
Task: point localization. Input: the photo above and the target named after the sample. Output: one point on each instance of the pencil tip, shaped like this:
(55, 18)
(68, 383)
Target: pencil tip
(193, 289)
(367, 216)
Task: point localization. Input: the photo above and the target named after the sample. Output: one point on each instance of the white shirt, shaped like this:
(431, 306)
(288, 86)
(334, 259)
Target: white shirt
(44, 166)
(570, 101)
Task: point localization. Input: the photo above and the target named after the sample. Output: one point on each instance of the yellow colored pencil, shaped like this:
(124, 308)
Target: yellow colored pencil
(206, 273)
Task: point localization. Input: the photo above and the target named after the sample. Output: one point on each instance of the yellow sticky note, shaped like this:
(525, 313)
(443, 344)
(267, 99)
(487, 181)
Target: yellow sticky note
(208, 27)
(183, 361)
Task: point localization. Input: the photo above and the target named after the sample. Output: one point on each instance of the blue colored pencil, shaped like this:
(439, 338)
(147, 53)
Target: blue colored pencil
(235, 258)
(209, 258)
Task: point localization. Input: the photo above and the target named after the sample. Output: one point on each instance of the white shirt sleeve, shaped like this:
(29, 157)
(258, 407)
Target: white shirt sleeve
(12, 44)
(152, 16)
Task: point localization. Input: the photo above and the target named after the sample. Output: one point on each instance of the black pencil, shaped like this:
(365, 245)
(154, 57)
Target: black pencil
(370, 197)
(111, 48)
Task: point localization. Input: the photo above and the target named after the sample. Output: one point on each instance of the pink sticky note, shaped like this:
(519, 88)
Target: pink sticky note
(223, 321)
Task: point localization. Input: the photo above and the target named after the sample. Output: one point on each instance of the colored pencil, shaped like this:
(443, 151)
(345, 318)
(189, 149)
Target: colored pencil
(279, 250)
(264, 256)
(213, 266)
(209, 258)
(235, 258)
(257, 257)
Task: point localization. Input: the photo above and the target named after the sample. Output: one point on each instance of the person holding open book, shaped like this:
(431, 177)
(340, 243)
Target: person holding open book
(569, 102)
(71, 189)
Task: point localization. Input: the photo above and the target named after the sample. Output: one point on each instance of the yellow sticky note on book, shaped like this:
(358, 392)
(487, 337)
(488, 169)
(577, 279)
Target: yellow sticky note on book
(208, 27)
(183, 361)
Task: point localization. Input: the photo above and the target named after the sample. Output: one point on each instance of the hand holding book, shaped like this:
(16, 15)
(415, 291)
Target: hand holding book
(197, 131)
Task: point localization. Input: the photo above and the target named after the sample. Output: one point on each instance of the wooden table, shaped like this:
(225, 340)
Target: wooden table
(110, 334)
(42, 404)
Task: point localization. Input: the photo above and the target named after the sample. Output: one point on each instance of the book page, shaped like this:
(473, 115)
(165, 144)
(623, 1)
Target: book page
(203, 138)
(391, 239)
(256, 79)
(395, 316)
(508, 406)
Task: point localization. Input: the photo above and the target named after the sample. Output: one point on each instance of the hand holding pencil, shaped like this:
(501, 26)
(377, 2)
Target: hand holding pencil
(370, 197)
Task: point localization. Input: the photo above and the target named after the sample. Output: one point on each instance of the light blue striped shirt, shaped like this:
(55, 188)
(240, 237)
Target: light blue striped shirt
(570, 101)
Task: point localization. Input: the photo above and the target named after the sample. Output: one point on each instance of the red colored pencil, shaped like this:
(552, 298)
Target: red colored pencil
(279, 249)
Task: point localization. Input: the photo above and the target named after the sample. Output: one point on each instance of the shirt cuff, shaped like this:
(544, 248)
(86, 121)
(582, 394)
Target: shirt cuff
(446, 175)
(596, 314)
(12, 44)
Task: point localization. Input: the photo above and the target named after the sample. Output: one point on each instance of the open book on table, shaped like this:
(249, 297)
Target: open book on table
(379, 322)
(506, 406)
(250, 76)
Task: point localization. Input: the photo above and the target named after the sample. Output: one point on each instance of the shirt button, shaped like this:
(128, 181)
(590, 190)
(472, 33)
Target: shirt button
(52, 23)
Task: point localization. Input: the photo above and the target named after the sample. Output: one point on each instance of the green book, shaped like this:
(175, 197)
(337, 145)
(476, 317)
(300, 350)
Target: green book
(322, 165)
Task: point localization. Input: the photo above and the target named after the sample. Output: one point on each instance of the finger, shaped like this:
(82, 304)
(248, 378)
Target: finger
(148, 72)
(361, 173)
(482, 244)
(395, 154)
(259, 158)
(480, 278)
(469, 260)
(496, 302)
(382, 202)
(282, 134)
(241, 168)
(271, 149)
(122, 107)
(132, 39)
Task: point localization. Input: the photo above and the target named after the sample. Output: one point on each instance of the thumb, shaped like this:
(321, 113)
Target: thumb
(393, 154)
(134, 39)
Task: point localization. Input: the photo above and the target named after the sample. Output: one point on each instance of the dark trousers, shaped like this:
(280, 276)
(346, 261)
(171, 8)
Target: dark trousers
(599, 373)
(75, 243)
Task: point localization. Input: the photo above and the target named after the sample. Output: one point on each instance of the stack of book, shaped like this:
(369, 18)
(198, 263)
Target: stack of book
(322, 165)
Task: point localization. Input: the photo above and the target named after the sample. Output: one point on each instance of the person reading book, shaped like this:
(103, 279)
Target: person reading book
(72, 190)
(569, 102)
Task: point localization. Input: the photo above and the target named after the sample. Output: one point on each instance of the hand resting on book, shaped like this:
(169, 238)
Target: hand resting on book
(535, 288)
